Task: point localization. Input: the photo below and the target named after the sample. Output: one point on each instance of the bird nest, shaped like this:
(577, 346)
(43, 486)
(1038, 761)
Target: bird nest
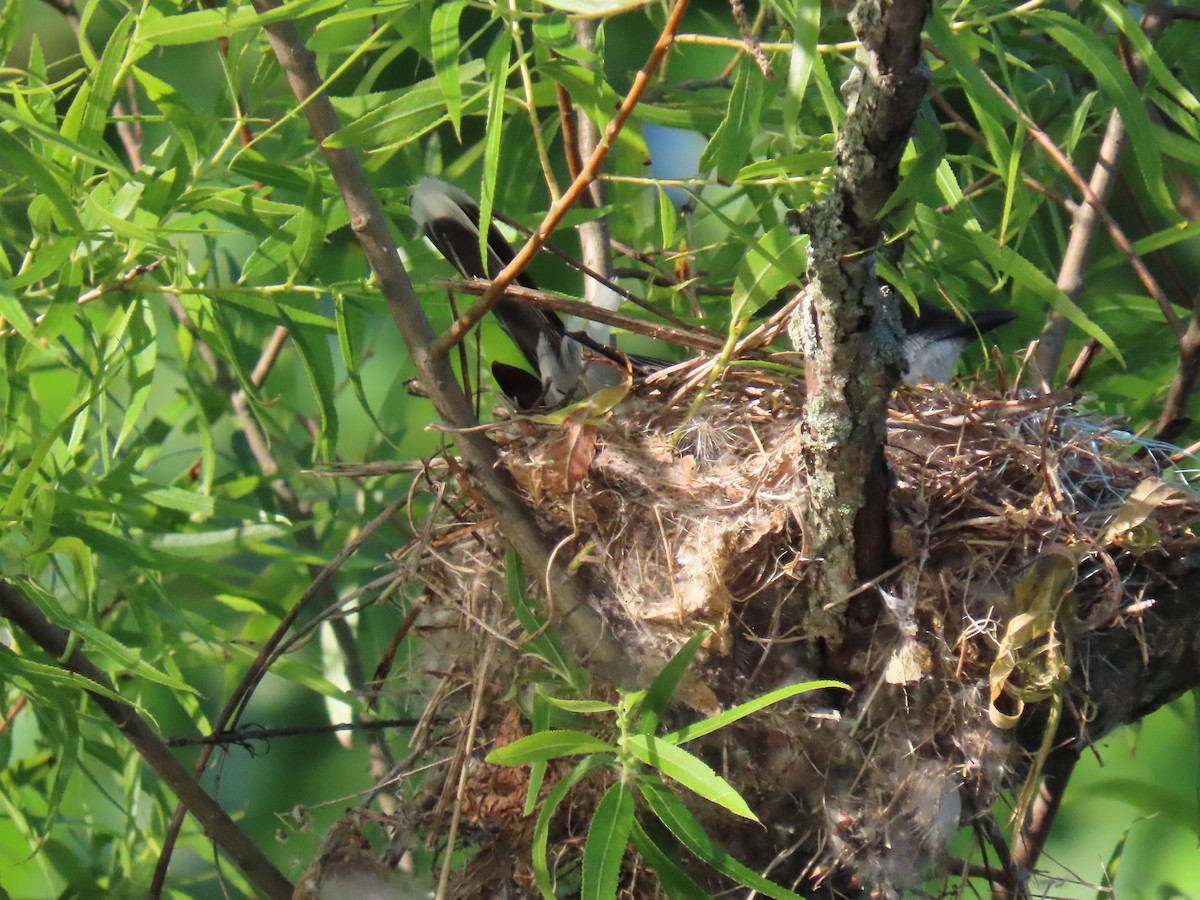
(1019, 526)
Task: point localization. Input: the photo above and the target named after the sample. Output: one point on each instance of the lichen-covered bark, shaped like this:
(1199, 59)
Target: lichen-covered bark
(850, 340)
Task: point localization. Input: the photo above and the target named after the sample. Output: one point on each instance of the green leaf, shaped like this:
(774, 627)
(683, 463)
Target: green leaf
(40, 676)
(415, 111)
(315, 356)
(1116, 84)
(542, 639)
(11, 18)
(47, 179)
(671, 876)
(584, 707)
(350, 359)
(497, 63)
(547, 745)
(805, 20)
(729, 716)
(96, 639)
(204, 26)
(1146, 51)
(309, 228)
(540, 720)
(600, 101)
(663, 688)
(541, 828)
(14, 315)
(596, 8)
(1109, 876)
(772, 262)
(694, 774)
(445, 44)
(608, 835)
(992, 113)
(734, 138)
(672, 812)
(924, 155)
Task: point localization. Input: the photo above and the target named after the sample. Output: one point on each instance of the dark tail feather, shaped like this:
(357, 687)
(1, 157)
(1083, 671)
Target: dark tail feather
(450, 219)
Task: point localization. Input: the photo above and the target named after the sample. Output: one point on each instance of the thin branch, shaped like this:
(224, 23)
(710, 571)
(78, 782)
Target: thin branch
(693, 337)
(251, 733)
(57, 644)
(1174, 418)
(753, 45)
(594, 274)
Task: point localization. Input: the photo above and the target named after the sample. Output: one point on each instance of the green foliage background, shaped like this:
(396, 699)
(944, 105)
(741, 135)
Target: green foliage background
(136, 514)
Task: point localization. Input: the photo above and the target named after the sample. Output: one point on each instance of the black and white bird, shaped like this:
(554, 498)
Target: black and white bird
(934, 339)
(450, 219)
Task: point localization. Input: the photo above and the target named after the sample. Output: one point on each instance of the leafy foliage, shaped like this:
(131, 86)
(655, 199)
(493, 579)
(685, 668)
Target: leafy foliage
(164, 211)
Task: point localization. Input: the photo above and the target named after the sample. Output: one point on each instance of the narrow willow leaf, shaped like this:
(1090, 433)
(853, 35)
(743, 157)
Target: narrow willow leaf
(690, 771)
(672, 812)
(541, 828)
(350, 360)
(315, 356)
(143, 362)
(105, 82)
(66, 748)
(186, 125)
(608, 835)
(545, 746)
(805, 20)
(412, 113)
(539, 719)
(1146, 51)
(14, 315)
(923, 160)
(992, 113)
(772, 262)
(674, 880)
(100, 642)
(208, 25)
(742, 710)
(582, 707)
(309, 230)
(497, 65)
(665, 683)
(1116, 84)
(543, 639)
(734, 139)
(11, 18)
(47, 179)
(1026, 274)
(445, 44)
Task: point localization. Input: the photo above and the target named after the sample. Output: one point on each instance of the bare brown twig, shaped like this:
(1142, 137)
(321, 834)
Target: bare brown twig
(1174, 418)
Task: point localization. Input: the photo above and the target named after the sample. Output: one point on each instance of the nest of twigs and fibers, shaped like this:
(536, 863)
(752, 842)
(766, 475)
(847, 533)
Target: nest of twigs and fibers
(1021, 530)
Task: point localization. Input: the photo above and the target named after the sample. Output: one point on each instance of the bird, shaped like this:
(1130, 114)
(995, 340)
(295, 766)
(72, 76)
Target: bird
(934, 338)
(450, 218)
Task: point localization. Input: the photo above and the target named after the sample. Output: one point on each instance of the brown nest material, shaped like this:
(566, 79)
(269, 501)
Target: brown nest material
(1020, 528)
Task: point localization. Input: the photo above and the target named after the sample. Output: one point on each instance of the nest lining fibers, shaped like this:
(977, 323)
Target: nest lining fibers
(681, 523)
